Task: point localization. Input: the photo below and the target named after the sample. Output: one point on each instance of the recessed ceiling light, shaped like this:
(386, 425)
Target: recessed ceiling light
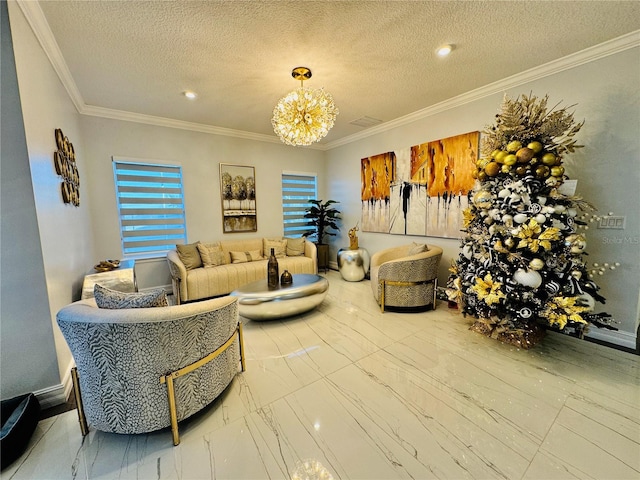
(190, 95)
(444, 50)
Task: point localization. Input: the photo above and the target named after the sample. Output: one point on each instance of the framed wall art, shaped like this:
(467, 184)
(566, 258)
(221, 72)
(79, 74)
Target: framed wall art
(419, 190)
(238, 191)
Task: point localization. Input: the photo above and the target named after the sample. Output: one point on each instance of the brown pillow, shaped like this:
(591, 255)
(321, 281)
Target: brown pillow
(279, 246)
(189, 255)
(211, 254)
(244, 257)
(295, 246)
(417, 248)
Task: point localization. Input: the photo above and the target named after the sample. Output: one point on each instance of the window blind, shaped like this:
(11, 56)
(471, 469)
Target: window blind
(150, 206)
(297, 190)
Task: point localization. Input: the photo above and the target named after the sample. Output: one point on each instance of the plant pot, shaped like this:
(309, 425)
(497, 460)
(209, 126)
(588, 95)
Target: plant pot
(323, 256)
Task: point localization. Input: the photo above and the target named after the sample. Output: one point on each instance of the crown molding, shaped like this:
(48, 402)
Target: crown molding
(587, 55)
(110, 113)
(38, 23)
(36, 19)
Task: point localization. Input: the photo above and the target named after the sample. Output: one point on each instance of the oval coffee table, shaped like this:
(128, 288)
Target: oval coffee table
(257, 302)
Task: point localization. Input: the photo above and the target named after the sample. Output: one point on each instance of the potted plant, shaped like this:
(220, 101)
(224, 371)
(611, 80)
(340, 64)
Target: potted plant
(322, 216)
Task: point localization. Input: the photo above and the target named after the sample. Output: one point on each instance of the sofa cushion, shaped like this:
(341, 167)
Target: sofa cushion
(113, 299)
(279, 247)
(189, 255)
(417, 248)
(295, 246)
(248, 256)
(211, 254)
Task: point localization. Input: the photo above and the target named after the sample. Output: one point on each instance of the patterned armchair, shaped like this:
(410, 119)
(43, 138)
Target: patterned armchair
(405, 280)
(143, 369)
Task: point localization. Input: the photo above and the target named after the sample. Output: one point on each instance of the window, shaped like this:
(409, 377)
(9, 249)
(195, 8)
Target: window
(297, 190)
(150, 206)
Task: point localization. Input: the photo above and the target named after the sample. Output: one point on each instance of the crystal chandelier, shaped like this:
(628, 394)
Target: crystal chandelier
(305, 115)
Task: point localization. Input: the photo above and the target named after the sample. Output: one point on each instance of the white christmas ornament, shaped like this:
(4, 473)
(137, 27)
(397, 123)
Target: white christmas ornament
(520, 218)
(528, 278)
(540, 218)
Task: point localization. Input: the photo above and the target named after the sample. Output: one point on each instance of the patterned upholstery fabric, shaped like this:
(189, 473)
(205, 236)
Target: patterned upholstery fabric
(396, 264)
(113, 299)
(200, 283)
(121, 354)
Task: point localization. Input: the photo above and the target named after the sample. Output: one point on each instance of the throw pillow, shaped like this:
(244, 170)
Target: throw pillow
(295, 246)
(243, 257)
(417, 248)
(113, 299)
(211, 254)
(279, 247)
(189, 255)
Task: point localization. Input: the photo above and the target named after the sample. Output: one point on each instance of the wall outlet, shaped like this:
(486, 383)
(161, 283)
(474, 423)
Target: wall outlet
(612, 222)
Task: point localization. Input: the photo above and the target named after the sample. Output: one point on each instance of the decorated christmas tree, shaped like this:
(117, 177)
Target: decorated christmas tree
(522, 267)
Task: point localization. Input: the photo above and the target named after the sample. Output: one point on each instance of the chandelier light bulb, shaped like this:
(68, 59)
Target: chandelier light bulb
(304, 115)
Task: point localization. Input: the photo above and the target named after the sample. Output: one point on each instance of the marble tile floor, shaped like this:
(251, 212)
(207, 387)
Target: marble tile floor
(346, 392)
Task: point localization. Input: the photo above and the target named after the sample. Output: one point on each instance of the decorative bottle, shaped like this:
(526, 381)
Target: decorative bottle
(272, 270)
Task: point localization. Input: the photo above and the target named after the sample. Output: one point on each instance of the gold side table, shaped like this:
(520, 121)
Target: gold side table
(122, 279)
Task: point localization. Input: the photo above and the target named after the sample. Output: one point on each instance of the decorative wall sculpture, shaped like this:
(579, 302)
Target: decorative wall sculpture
(238, 190)
(64, 161)
(420, 190)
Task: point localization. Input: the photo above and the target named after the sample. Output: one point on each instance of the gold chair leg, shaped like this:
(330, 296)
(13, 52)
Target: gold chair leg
(173, 413)
(435, 289)
(84, 428)
(383, 285)
(241, 341)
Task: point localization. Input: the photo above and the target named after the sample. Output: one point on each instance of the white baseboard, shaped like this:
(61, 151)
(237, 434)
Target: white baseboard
(56, 394)
(51, 396)
(623, 339)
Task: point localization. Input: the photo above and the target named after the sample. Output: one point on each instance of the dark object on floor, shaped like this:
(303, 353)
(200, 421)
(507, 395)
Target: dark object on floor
(19, 419)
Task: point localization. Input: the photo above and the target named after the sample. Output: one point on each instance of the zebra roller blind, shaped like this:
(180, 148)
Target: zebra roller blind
(150, 206)
(297, 190)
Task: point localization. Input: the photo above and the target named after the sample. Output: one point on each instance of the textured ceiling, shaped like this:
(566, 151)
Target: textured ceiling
(375, 57)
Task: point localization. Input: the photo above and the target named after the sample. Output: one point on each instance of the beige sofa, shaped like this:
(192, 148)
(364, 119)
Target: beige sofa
(205, 282)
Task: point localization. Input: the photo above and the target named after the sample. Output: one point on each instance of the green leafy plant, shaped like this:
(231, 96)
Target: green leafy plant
(322, 216)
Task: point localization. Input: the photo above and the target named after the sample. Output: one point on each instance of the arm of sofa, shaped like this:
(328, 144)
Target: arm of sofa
(178, 277)
(311, 252)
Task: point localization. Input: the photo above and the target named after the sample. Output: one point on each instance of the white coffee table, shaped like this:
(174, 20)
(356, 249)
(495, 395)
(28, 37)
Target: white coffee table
(257, 302)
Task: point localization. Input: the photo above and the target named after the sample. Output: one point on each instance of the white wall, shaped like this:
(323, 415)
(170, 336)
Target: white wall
(65, 231)
(28, 361)
(200, 155)
(607, 169)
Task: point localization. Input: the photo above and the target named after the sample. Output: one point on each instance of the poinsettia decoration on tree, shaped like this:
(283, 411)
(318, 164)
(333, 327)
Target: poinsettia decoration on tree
(522, 267)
